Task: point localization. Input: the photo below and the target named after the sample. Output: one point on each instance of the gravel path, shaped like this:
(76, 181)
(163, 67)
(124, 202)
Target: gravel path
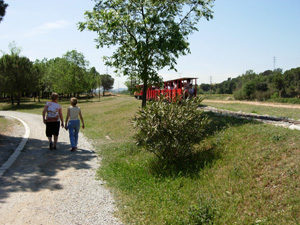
(54, 187)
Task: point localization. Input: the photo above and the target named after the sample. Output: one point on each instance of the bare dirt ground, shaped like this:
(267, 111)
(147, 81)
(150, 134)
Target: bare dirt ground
(54, 187)
(270, 104)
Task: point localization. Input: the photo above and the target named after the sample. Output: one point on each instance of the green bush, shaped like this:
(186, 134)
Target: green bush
(203, 213)
(169, 130)
(239, 95)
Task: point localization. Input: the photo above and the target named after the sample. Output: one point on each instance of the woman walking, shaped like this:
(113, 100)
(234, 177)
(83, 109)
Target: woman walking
(74, 123)
(52, 120)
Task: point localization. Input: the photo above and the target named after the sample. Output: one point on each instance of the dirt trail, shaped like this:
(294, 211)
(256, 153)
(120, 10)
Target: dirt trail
(270, 104)
(54, 187)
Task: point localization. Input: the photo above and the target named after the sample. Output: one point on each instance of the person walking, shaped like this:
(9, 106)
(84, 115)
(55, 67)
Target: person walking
(73, 125)
(52, 115)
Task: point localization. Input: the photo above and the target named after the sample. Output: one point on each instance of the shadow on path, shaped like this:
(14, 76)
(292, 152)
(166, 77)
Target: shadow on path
(38, 168)
(8, 144)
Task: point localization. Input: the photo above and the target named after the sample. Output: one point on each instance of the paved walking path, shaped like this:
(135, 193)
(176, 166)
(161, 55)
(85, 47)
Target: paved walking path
(53, 187)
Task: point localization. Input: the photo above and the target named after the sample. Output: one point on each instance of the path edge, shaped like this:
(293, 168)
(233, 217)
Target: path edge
(18, 150)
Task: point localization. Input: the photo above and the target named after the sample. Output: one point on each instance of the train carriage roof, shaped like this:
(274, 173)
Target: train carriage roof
(182, 78)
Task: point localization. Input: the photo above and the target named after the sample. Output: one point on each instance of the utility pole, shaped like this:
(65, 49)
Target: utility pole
(274, 63)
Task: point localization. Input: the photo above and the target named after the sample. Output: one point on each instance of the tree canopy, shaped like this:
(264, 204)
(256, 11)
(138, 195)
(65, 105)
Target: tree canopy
(107, 82)
(3, 7)
(17, 75)
(68, 75)
(149, 34)
(261, 86)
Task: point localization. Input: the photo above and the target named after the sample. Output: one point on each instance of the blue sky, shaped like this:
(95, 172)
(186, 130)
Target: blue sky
(244, 34)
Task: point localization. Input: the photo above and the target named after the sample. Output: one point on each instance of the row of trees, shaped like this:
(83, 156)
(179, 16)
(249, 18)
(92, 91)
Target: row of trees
(68, 75)
(262, 86)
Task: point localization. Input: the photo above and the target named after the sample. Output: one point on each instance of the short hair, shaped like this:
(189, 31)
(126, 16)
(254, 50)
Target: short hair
(54, 96)
(73, 101)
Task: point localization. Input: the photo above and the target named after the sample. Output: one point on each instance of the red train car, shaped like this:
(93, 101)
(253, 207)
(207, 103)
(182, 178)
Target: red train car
(172, 89)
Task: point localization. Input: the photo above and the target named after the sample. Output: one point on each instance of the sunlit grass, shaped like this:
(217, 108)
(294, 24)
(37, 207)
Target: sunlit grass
(244, 173)
(261, 110)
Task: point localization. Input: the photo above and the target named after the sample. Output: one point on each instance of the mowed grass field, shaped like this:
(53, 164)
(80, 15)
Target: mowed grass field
(244, 173)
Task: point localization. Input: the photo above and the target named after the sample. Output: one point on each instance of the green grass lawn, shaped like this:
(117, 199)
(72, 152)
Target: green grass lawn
(244, 173)
(262, 110)
(218, 96)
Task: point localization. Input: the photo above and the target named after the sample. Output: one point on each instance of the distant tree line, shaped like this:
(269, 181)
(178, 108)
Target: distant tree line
(69, 75)
(262, 86)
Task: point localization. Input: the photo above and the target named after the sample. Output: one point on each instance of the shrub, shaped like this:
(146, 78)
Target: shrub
(169, 130)
(239, 95)
(262, 95)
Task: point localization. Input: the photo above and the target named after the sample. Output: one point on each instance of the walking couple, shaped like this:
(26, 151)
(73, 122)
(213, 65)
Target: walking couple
(52, 116)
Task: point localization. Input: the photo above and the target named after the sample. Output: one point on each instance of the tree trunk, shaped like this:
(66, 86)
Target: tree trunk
(144, 100)
(19, 99)
(12, 99)
(103, 92)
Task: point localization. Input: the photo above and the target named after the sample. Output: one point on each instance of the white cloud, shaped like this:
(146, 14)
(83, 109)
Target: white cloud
(47, 27)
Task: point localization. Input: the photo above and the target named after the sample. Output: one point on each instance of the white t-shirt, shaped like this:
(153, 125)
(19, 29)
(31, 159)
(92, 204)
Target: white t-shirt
(53, 110)
(74, 112)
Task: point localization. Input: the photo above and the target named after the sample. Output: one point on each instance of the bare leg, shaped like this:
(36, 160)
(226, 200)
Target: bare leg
(55, 140)
(50, 143)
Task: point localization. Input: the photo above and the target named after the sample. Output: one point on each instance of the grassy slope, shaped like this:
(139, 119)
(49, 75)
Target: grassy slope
(262, 110)
(246, 173)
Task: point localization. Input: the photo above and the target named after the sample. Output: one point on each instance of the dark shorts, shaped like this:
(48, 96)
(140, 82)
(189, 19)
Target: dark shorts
(52, 128)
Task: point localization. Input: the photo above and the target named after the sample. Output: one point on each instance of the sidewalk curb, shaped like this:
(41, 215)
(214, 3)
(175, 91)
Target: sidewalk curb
(18, 150)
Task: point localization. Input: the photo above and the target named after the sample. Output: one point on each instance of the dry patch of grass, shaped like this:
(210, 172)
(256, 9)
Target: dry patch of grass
(5, 125)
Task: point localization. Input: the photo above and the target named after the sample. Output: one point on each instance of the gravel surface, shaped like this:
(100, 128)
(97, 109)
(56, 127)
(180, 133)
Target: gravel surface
(54, 187)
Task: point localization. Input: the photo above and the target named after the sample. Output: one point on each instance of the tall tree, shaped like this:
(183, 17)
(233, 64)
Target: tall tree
(17, 77)
(95, 79)
(40, 69)
(149, 34)
(3, 6)
(107, 82)
(79, 77)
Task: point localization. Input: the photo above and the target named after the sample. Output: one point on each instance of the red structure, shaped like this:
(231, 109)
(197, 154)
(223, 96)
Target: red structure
(182, 87)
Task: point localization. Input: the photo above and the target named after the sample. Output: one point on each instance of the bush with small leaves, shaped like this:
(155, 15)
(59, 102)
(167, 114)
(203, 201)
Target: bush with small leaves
(170, 129)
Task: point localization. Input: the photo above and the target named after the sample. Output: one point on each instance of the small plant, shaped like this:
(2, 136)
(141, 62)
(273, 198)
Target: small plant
(202, 213)
(170, 129)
